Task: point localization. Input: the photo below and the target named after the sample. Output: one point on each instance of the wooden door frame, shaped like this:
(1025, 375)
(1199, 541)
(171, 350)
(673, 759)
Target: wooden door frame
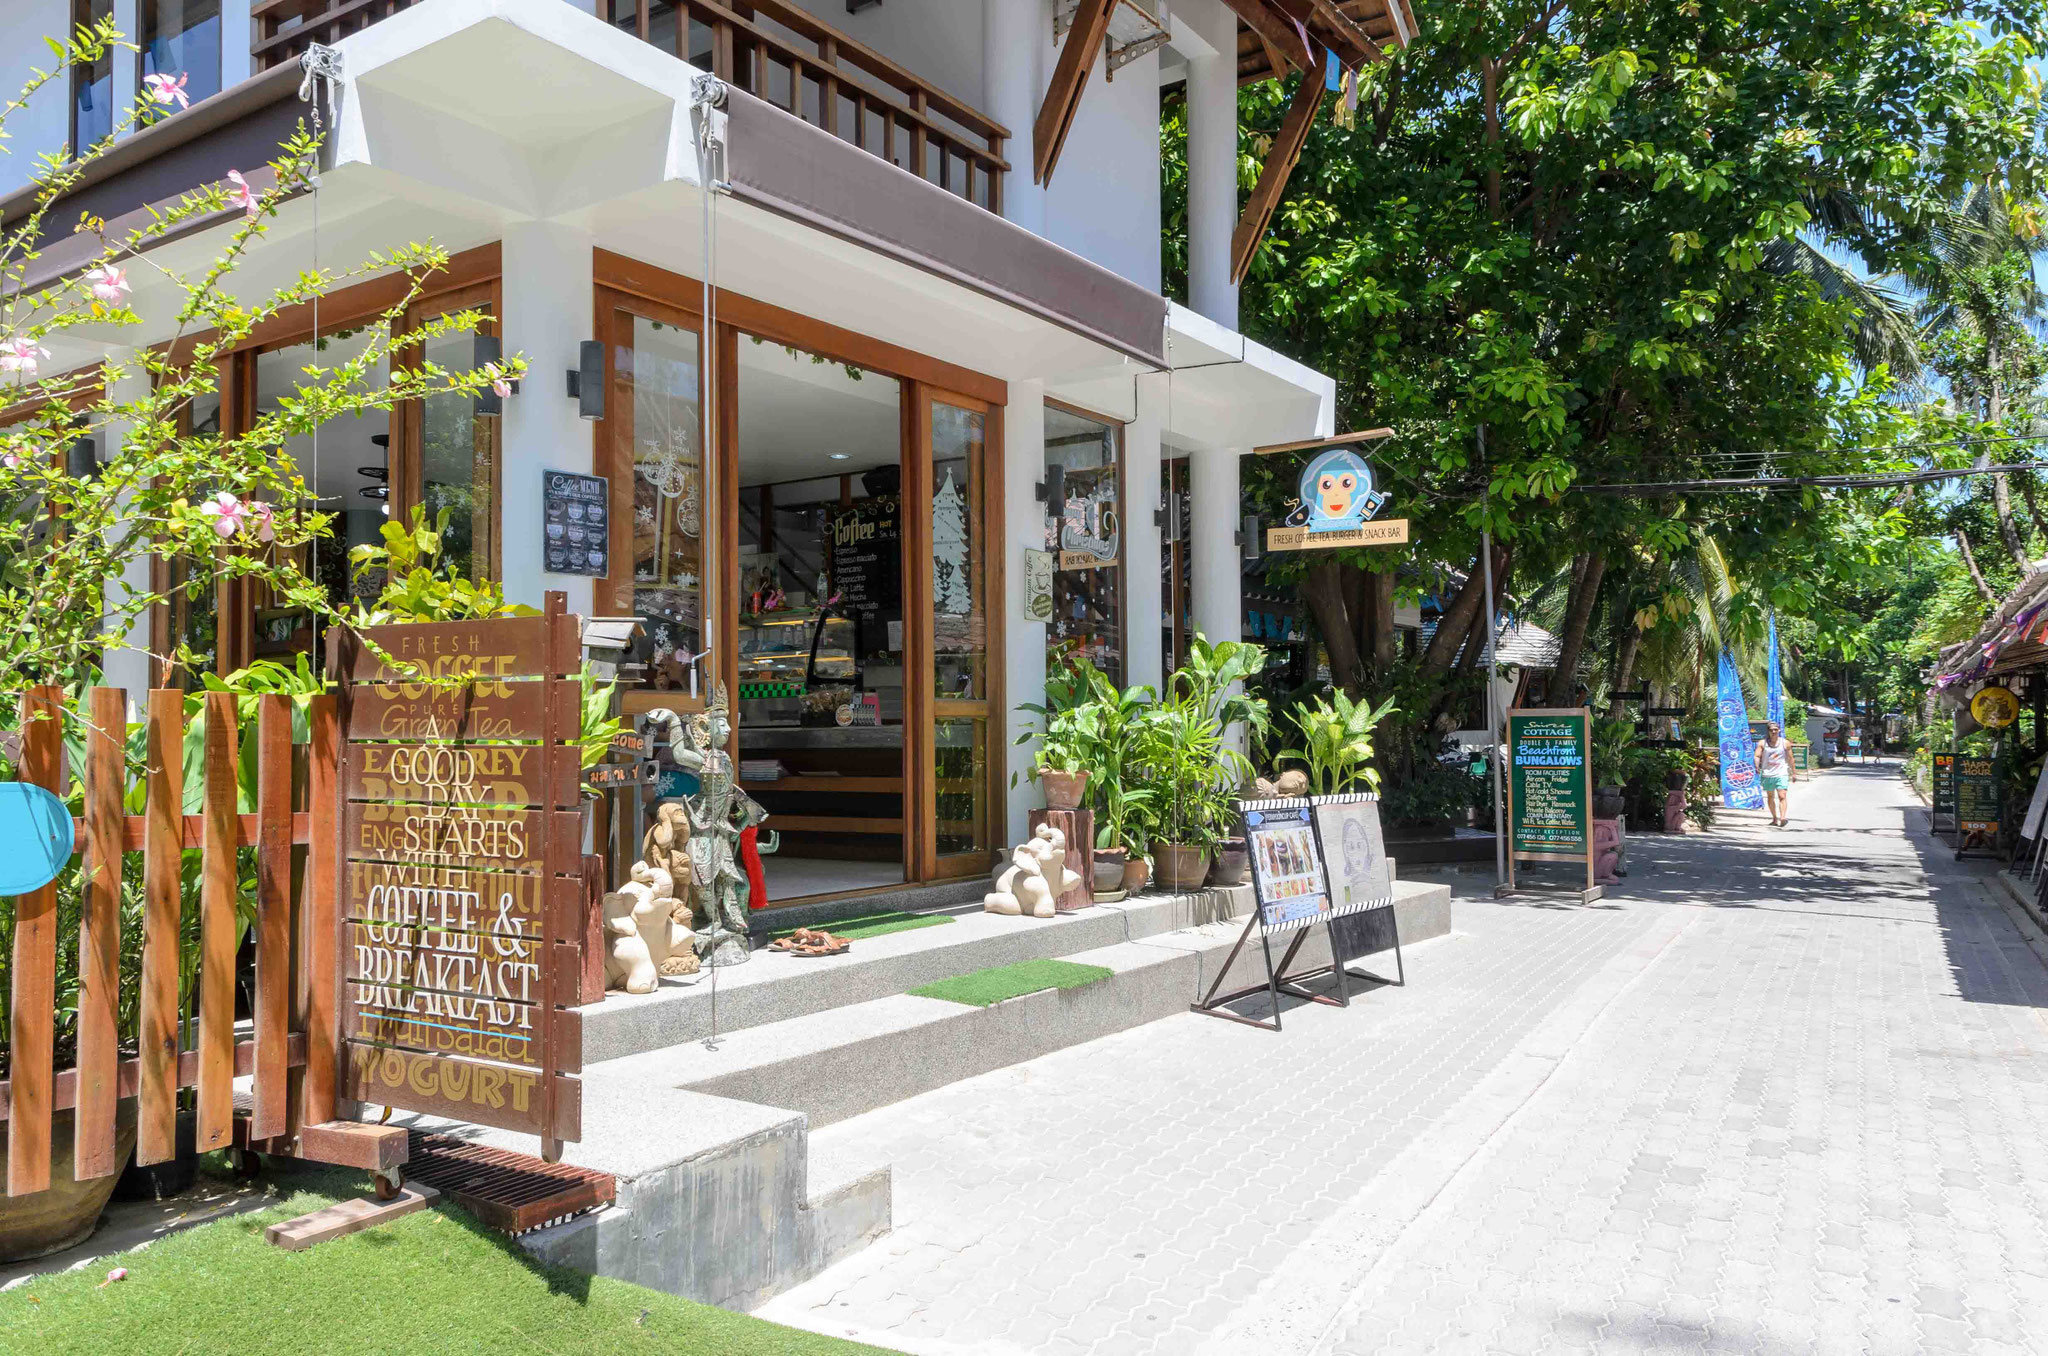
(625, 284)
(992, 546)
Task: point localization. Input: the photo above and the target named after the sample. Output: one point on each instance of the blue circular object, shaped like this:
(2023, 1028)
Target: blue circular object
(35, 837)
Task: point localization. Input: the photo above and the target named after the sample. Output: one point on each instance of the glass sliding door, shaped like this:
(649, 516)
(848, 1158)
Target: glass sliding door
(449, 457)
(955, 461)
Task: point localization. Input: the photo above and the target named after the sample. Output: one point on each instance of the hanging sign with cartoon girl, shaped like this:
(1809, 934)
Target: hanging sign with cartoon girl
(1337, 508)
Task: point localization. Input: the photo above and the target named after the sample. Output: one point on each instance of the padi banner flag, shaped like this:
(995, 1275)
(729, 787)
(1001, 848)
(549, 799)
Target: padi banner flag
(1774, 682)
(1739, 789)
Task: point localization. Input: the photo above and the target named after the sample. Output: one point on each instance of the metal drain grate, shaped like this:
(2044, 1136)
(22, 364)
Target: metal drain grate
(508, 1191)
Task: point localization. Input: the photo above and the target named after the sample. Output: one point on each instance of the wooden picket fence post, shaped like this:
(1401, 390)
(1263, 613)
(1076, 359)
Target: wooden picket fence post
(290, 1052)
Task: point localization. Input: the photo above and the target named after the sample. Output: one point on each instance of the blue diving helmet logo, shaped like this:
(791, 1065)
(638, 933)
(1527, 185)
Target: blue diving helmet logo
(1337, 493)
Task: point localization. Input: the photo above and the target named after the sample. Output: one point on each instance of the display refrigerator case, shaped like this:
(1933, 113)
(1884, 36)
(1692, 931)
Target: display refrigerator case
(784, 655)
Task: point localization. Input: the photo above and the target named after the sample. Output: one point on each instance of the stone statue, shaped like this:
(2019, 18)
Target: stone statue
(1035, 878)
(647, 932)
(1293, 782)
(716, 816)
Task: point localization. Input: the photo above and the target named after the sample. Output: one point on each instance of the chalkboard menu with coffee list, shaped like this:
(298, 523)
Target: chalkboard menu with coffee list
(867, 560)
(576, 521)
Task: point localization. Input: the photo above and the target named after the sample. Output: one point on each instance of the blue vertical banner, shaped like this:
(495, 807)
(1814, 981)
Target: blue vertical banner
(1739, 789)
(1774, 681)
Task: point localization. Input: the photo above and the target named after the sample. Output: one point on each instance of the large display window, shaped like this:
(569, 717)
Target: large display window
(1085, 533)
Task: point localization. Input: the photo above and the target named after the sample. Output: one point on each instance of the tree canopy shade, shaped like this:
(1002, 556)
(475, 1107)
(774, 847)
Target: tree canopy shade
(1554, 220)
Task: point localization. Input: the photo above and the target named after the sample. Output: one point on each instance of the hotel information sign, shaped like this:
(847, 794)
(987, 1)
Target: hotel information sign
(1550, 788)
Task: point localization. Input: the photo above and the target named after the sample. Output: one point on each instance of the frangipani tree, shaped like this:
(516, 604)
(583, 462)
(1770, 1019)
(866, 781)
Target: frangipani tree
(228, 504)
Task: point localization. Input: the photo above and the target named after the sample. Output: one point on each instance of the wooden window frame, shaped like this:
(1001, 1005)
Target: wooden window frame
(1123, 559)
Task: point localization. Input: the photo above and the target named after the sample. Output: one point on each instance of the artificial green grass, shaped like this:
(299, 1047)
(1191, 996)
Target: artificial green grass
(432, 1283)
(875, 924)
(985, 987)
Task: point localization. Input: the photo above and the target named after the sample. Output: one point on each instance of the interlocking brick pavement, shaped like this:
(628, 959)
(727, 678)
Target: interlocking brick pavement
(1785, 1092)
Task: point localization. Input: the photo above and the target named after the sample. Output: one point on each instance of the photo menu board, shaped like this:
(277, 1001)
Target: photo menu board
(1288, 878)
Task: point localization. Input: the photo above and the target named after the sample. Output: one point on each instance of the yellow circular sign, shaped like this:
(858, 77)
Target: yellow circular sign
(1995, 707)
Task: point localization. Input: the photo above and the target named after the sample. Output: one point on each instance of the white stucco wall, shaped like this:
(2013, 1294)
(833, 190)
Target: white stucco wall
(1103, 200)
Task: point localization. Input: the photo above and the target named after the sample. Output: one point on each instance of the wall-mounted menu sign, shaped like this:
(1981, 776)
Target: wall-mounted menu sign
(576, 520)
(866, 558)
(462, 848)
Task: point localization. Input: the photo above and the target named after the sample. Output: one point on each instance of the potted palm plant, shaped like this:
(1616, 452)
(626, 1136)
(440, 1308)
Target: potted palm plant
(1193, 768)
(1336, 745)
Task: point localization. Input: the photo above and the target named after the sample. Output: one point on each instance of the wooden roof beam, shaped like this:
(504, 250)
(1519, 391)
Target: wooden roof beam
(1273, 30)
(1069, 78)
(1347, 29)
(1273, 176)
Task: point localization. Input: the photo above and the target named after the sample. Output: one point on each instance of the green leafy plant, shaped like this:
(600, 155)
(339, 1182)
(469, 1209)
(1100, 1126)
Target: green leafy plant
(420, 585)
(1615, 756)
(1336, 742)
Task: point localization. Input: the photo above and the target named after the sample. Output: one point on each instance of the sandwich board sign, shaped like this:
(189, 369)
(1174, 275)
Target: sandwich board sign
(1550, 792)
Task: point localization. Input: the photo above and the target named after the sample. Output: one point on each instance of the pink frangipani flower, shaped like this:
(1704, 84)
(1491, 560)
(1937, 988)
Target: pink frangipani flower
(241, 195)
(108, 283)
(166, 89)
(21, 355)
(228, 513)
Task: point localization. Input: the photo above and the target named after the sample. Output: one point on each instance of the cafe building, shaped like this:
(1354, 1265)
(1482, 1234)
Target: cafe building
(870, 432)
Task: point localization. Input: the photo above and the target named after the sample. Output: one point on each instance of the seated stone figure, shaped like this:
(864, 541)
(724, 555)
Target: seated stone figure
(1035, 878)
(644, 937)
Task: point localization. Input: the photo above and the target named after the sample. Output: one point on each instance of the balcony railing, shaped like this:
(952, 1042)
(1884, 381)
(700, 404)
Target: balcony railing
(769, 48)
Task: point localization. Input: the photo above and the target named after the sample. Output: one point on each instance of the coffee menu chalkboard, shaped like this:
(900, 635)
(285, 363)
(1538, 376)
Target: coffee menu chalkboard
(576, 523)
(866, 560)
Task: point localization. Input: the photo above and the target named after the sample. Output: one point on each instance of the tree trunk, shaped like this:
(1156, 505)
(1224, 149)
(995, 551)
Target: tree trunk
(1385, 640)
(1578, 614)
(1625, 657)
(2001, 491)
(2026, 479)
(1970, 560)
(1451, 628)
(1323, 591)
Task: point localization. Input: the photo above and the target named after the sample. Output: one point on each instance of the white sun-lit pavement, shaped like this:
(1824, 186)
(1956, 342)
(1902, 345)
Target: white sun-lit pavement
(1780, 1092)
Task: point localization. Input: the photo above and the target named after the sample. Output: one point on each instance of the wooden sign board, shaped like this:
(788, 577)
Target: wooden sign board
(461, 871)
(1391, 532)
(613, 776)
(1550, 790)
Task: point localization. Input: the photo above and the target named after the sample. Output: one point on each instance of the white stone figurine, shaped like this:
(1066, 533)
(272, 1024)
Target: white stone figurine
(644, 939)
(1035, 878)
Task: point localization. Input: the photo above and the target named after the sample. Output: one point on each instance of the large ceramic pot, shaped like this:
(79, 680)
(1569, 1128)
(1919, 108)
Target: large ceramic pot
(1109, 871)
(1063, 790)
(1137, 873)
(1231, 863)
(1181, 866)
(65, 1215)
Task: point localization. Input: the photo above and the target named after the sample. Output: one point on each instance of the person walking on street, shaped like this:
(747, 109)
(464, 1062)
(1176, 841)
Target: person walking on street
(1774, 772)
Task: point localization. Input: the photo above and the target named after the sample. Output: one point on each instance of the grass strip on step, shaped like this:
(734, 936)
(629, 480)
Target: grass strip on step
(985, 987)
(433, 1283)
(876, 924)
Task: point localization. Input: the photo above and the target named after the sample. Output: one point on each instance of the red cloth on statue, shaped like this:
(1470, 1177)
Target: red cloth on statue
(750, 861)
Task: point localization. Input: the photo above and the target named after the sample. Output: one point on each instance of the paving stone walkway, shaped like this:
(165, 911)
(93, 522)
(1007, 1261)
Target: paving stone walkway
(1782, 1092)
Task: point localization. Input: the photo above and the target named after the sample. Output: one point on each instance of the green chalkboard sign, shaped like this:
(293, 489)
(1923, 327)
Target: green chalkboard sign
(1550, 786)
(1944, 768)
(1976, 782)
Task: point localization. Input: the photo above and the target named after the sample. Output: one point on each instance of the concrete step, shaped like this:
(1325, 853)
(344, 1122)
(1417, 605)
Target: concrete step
(837, 1064)
(774, 986)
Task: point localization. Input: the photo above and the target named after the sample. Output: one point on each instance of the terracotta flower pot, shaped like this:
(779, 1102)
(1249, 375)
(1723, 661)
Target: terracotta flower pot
(1232, 861)
(1181, 866)
(1137, 874)
(1109, 870)
(1063, 790)
(64, 1216)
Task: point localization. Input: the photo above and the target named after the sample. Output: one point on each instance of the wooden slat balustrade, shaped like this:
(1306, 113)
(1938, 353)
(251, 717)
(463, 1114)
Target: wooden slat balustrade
(294, 931)
(769, 48)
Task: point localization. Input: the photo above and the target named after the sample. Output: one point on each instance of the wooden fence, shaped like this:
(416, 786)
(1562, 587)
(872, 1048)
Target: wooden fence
(294, 936)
